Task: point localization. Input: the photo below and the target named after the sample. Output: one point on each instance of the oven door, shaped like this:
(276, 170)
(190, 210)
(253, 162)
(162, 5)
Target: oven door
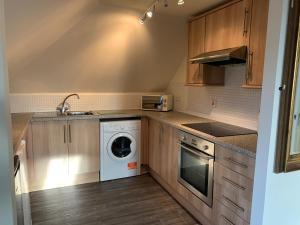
(196, 172)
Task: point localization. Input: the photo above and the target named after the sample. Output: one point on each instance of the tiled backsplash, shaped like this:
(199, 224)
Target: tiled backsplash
(45, 102)
(233, 104)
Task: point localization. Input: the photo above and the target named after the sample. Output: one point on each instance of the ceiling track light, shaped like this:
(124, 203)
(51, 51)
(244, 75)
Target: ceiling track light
(148, 14)
(166, 3)
(143, 19)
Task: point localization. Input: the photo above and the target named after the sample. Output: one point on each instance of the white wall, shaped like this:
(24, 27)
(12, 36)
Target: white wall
(234, 104)
(7, 207)
(276, 198)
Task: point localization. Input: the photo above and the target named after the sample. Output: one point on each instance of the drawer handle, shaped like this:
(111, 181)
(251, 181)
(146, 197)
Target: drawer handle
(233, 183)
(234, 204)
(236, 163)
(227, 220)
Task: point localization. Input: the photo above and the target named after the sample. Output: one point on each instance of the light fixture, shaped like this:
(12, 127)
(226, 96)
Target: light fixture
(151, 10)
(143, 19)
(166, 4)
(180, 2)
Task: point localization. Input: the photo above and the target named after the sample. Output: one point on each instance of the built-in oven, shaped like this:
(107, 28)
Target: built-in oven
(196, 166)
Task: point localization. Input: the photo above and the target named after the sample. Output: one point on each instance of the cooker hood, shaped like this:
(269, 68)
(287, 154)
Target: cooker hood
(222, 57)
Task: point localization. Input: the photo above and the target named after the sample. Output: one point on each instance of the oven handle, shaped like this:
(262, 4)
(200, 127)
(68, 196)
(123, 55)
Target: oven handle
(198, 153)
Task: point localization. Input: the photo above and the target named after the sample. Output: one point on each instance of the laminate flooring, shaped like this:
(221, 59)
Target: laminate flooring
(129, 201)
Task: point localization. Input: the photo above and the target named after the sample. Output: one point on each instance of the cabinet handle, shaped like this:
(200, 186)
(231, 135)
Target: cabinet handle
(249, 66)
(233, 183)
(70, 134)
(227, 220)
(231, 160)
(65, 134)
(245, 30)
(233, 204)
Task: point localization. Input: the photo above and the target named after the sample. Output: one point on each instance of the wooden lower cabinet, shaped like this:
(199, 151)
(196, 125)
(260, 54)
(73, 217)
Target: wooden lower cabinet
(50, 155)
(233, 187)
(163, 163)
(83, 146)
(24, 185)
(64, 153)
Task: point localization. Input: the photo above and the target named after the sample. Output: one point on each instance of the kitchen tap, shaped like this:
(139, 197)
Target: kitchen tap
(64, 106)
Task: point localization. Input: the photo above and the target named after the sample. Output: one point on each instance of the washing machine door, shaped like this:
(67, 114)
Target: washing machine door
(121, 147)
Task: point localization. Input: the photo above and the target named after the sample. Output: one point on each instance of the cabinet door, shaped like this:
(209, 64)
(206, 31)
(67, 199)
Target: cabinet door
(169, 156)
(257, 43)
(50, 154)
(84, 152)
(24, 182)
(155, 140)
(195, 47)
(227, 27)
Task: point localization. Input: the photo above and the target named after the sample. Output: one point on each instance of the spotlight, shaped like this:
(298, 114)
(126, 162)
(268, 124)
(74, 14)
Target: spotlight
(142, 19)
(180, 2)
(150, 14)
(166, 4)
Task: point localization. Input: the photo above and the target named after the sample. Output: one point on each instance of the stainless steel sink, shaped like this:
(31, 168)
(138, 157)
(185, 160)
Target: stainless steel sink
(79, 113)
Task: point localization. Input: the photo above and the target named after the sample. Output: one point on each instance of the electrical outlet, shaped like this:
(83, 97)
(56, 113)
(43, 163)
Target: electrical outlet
(214, 102)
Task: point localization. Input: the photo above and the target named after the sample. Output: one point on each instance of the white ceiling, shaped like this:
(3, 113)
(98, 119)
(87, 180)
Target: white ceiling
(190, 7)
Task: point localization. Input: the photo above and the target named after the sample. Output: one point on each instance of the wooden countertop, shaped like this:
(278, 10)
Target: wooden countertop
(20, 122)
(243, 143)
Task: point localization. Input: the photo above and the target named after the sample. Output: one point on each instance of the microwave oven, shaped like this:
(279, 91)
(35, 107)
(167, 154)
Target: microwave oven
(161, 103)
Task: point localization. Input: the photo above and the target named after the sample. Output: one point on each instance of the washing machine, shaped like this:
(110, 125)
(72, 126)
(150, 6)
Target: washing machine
(120, 143)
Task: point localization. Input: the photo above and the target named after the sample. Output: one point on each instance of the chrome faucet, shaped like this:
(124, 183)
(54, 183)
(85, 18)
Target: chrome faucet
(64, 106)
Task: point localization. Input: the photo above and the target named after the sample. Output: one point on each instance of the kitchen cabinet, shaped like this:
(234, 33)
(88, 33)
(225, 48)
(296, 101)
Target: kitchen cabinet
(24, 182)
(64, 153)
(233, 24)
(50, 154)
(155, 145)
(233, 186)
(226, 27)
(163, 151)
(144, 145)
(163, 163)
(83, 145)
(199, 74)
(257, 43)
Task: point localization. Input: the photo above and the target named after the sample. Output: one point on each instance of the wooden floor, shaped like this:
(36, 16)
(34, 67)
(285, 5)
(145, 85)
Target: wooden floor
(130, 201)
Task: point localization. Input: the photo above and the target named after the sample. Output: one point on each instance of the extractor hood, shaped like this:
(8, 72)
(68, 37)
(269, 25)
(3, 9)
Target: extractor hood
(222, 57)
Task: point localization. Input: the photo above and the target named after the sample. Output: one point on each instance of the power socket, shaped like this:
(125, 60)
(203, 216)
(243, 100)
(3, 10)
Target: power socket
(214, 102)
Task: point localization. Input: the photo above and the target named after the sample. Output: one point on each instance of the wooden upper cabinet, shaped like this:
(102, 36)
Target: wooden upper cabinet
(83, 141)
(195, 47)
(227, 27)
(257, 43)
(199, 74)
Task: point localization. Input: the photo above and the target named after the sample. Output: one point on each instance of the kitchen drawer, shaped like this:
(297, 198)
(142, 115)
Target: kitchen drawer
(224, 216)
(232, 200)
(231, 180)
(235, 161)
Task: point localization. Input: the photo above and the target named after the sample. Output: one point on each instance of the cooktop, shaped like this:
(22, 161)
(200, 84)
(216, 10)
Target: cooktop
(218, 129)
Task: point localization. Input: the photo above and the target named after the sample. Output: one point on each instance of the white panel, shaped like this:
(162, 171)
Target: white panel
(234, 104)
(46, 102)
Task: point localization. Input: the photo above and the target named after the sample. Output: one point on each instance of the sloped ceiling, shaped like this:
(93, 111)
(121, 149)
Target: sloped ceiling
(190, 7)
(89, 46)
